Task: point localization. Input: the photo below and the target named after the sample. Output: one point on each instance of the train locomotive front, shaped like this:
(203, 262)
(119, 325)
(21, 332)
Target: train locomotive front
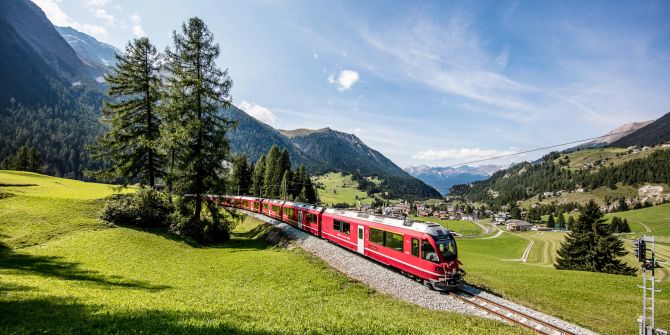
(445, 255)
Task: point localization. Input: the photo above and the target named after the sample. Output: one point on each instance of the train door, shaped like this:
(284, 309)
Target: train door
(300, 219)
(361, 239)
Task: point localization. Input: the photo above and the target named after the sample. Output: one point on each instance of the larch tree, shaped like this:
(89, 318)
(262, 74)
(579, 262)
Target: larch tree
(241, 175)
(270, 181)
(201, 89)
(591, 247)
(132, 143)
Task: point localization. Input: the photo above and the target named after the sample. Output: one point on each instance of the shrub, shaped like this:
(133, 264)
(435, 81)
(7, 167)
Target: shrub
(211, 227)
(146, 208)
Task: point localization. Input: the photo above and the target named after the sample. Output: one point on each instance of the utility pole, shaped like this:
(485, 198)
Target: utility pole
(647, 324)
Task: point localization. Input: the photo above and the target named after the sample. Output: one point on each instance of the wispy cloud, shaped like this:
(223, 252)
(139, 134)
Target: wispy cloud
(58, 17)
(259, 112)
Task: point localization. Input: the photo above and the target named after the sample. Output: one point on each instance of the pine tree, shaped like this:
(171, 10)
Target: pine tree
(258, 177)
(308, 190)
(590, 247)
(21, 161)
(623, 206)
(271, 170)
(241, 175)
(571, 222)
(550, 221)
(284, 185)
(199, 90)
(561, 220)
(132, 141)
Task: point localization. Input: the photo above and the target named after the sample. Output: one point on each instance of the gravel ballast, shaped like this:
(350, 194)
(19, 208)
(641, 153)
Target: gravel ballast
(388, 281)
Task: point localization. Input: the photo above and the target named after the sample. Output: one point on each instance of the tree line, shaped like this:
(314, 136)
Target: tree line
(526, 180)
(272, 177)
(166, 133)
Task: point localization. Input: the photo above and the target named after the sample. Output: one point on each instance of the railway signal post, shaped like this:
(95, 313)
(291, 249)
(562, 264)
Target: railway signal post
(647, 326)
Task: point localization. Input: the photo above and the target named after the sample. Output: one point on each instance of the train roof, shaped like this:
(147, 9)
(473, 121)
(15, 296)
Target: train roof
(304, 205)
(418, 226)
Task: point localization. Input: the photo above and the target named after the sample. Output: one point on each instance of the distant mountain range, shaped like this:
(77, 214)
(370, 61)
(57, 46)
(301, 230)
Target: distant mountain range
(324, 150)
(443, 178)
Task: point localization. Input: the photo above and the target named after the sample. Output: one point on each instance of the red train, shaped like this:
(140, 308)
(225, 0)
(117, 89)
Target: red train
(426, 251)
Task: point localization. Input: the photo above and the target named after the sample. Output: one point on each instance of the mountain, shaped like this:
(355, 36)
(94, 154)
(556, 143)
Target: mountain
(443, 178)
(90, 50)
(35, 29)
(324, 150)
(342, 152)
(48, 98)
(654, 133)
(612, 136)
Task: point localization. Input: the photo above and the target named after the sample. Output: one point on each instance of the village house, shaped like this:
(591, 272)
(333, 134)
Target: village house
(518, 225)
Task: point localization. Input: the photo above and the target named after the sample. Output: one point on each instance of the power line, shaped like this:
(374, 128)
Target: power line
(538, 149)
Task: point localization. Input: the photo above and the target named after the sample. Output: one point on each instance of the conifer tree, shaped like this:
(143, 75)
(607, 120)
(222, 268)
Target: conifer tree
(199, 89)
(258, 177)
(561, 220)
(550, 221)
(132, 143)
(270, 182)
(308, 191)
(241, 175)
(284, 185)
(590, 246)
(571, 222)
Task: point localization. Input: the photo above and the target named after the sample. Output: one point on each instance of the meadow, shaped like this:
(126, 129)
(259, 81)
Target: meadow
(338, 188)
(63, 271)
(463, 227)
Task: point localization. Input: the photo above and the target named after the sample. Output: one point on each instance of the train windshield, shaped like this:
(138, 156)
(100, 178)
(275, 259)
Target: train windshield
(447, 246)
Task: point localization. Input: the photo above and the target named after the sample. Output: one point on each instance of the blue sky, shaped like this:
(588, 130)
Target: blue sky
(433, 83)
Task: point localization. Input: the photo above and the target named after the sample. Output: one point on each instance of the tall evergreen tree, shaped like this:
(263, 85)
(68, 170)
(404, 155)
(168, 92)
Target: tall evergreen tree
(284, 185)
(560, 224)
(550, 221)
(258, 177)
(132, 141)
(591, 247)
(571, 222)
(270, 181)
(241, 175)
(202, 145)
(308, 190)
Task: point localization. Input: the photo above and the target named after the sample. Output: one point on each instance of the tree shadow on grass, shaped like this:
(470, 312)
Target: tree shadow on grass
(56, 267)
(58, 315)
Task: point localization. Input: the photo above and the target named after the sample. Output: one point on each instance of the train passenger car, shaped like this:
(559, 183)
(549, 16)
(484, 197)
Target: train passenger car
(226, 200)
(251, 204)
(306, 217)
(274, 209)
(423, 250)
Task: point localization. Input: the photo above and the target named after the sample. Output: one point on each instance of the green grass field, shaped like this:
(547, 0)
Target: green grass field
(63, 271)
(463, 227)
(608, 304)
(340, 188)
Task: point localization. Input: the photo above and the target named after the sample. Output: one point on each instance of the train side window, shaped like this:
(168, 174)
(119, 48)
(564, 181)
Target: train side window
(415, 247)
(377, 236)
(346, 228)
(393, 241)
(337, 225)
(311, 218)
(428, 252)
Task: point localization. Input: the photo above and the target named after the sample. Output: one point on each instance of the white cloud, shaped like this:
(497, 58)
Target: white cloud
(464, 154)
(103, 15)
(97, 3)
(259, 112)
(56, 15)
(345, 79)
(138, 31)
(357, 131)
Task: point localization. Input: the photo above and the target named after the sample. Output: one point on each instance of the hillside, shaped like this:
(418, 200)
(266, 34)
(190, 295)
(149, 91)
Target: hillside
(325, 150)
(612, 136)
(585, 170)
(654, 133)
(48, 98)
(65, 272)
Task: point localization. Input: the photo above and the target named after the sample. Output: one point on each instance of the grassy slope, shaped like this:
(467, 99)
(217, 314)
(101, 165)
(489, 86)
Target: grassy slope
(605, 303)
(339, 188)
(61, 271)
(465, 228)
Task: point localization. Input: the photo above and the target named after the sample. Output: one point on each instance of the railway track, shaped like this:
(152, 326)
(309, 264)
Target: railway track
(510, 314)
